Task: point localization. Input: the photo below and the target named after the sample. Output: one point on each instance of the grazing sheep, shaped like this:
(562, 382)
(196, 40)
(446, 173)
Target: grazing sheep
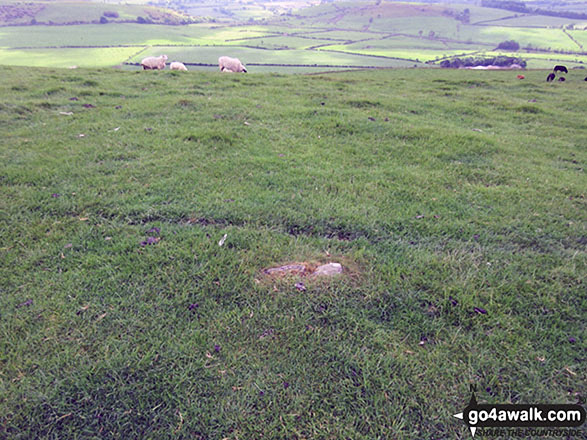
(152, 63)
(228, 64)
(560, 69)
(176, 65)
(550, 77)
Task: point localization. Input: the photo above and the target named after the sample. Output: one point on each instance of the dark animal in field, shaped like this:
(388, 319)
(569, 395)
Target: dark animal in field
(562, 78)
(560, 69)
(586, 78)
(550, 77)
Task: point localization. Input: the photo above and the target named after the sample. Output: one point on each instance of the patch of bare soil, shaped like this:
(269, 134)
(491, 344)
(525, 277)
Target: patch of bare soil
(298, 273)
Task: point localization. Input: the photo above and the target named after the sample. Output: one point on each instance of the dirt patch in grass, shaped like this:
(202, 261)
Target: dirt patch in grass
(311, 271)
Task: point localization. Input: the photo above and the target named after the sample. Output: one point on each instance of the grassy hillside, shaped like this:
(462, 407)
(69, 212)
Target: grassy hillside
(139, 210)
(14, 12)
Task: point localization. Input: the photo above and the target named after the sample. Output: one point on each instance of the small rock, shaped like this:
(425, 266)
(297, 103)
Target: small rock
(328, 269)
(289, 268)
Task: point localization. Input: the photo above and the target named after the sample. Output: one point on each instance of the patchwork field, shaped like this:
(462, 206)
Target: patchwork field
(282, 39)
(139, 212)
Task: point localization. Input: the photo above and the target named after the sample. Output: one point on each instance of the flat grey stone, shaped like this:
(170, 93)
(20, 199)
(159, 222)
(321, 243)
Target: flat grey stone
(290, 268)
(328, 269)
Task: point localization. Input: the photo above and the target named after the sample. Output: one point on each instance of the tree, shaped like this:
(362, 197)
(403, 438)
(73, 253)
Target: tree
(509, 45)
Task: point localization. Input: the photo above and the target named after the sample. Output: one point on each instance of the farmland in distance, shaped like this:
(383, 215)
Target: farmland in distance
(317, 37)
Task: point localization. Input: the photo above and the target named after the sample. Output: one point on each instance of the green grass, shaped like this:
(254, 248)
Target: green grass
(105, 35)
(406, 53)
(580, 37)
(537, 21)
(93, 57)
(537, 38)
(439, 191)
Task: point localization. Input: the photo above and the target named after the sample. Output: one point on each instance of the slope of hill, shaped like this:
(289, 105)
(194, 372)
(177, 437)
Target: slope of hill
(139, 211)
(15, 12)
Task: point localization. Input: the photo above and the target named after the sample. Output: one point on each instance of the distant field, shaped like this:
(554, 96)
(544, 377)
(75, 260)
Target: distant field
(285, 42)
(259, 56)
(102, 35)
(60, 12)
(545, 60)
(581, 38)
(482, 15)
(421, 55)
(338, 34)
(554, 39)
(341, 35)
(538, 21)
(95, 57)
(235, 12)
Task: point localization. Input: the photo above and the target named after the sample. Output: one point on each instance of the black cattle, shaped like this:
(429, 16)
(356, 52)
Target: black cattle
(562, 78)
(550, 77)
(560, 69)
(586, 78)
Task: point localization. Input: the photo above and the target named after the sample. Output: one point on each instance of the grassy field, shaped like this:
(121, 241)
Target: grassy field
(542, 60)
(139, 210)
(95, 57)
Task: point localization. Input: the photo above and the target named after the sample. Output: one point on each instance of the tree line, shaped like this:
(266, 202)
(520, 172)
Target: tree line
(502, 61)
(517, 6)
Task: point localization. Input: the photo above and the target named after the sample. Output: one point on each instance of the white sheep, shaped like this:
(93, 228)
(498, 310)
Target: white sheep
(176, 65)
(152, 63)
(228, 64)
